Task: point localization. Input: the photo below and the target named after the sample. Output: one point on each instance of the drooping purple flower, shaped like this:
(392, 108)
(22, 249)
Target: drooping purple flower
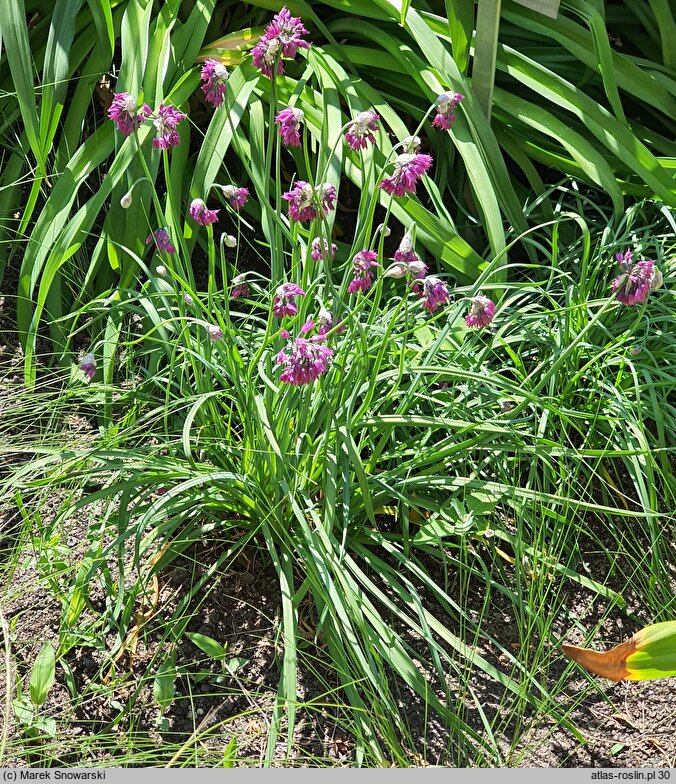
(405, 250)
(289, 30)
(161, 239)
(237, 197)
(433, 293)
(125, 115)
(201, 214)
(305, 361)
(481, 312)
(360, 131)
(363, 266)
(282, 38)
(445, 105)
(284, 303)
(624, 258)
(304, 200)
(408, 169)
(327, 197)
(301, 202)
(215, 332)
(215, 76)
(289, 121)
(88, 365)
(166, 120)
(635, 282)
(265, 54)
(240, 287)
(321, 248)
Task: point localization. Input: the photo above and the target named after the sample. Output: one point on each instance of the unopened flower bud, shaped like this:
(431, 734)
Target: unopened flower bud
(417, 267)
(395, 271)
(161, 270)
(126, 200)
(657, 280)
(188, 299)
(230, 241)
(215, 332)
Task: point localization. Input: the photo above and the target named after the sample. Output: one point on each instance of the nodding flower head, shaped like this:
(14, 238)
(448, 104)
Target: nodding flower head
(408, 169)
(635, 282)
(284, 303)
(320, 248)
(282, 38)
(166, 120)
(363, 269)
(124, 113)
(237, 197)
(481, 312)
(405, 250)
(360, 131)
(445, 105)
(161, 239)
(215, 76)
(289, 121)
(433, 293)
(215, 332)
(88, 365)
(201, 214)
(306, 359)
(305, 201)
(239, 286)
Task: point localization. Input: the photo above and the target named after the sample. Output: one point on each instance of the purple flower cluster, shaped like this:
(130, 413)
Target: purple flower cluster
(161, 238)
(637, 279)
(88, 366)
(284, 303)
(433, 293)
(166, 120)
(124, 113)
(320, 248)
(306, 201)
(289, 121)
(282, 38)
(201, 214)
(445, 106)
(363, 266)
(360, 131)
(237, 197)
(215, 76)
(481, 312)
(408, 169)
(128, 118)
(240, 287)
(306, 359)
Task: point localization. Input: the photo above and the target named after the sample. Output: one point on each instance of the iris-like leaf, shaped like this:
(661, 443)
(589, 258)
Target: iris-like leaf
(649, 654)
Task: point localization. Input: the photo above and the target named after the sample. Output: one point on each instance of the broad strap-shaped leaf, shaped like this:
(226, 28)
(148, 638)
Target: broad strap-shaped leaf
(649, 654)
